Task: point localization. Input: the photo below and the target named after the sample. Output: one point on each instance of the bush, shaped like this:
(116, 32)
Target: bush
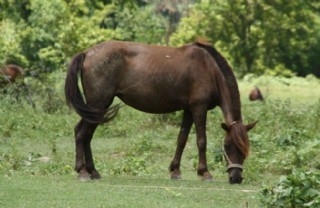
(300, 189)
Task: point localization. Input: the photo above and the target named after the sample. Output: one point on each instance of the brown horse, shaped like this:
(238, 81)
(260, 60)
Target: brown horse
(10, 73)
(194, 78)
(256, 94)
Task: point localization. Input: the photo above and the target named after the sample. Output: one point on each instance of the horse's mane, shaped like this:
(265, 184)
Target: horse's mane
(228, 75)
(240, 138)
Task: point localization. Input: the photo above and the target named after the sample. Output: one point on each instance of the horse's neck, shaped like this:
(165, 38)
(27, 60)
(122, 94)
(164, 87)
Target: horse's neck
(226, 108)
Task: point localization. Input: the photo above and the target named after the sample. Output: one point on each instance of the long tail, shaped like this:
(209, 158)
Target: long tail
(75, 100)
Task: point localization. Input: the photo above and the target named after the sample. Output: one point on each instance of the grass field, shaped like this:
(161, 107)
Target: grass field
(65, 191)
(134, 151)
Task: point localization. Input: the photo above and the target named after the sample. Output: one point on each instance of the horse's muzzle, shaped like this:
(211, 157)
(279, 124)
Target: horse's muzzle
(235, 175)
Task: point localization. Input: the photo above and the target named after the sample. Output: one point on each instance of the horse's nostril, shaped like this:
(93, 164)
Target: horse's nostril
(235, 175)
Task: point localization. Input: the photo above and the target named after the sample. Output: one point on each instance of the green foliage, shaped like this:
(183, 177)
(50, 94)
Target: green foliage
(253, 35)
(193, 26)
(10, 162)
(42, 35)
(299, 189)
(10, 42)
(279, 70)
(291, 136)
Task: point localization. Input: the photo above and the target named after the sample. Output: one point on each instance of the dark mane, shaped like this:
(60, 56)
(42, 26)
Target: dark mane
(228, 75)
(240, 138)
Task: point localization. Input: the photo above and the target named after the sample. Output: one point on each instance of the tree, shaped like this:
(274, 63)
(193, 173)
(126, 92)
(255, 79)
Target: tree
(258, 35)
(170, 10)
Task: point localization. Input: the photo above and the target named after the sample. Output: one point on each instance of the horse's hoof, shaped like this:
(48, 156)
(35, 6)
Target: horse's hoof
(207, 177)
(95, 176)
(176, 177)
(84, 176)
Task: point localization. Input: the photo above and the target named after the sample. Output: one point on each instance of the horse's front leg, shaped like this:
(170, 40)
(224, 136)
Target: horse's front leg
(200, 117)
(84, 163)
(181, 143)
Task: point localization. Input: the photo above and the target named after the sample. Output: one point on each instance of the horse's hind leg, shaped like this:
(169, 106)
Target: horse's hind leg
(84, 162)
(181, 143)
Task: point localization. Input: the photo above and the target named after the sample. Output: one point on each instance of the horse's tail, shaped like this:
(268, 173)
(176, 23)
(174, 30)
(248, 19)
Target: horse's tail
(74, 97)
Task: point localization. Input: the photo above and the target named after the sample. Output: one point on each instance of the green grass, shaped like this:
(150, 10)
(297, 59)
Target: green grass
(133, 152)
(65, 191)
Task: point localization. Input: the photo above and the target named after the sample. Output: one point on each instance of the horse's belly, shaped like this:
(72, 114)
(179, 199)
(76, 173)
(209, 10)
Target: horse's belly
(152, 104)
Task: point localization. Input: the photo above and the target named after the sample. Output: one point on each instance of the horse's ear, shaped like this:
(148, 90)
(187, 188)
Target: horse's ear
(251, 125)
(225, 127)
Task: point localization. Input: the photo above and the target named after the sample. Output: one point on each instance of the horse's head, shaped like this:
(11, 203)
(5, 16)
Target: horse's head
(236, 148)
(256, 94)
(12, 72)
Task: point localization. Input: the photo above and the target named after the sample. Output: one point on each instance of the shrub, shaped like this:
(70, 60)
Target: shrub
(300, 189)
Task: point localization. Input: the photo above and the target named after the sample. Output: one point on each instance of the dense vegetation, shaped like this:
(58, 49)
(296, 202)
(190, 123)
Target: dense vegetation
(260, 36)
(270, 44)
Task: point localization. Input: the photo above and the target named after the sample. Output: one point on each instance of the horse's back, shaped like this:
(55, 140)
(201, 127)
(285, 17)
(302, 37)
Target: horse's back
(155, 79)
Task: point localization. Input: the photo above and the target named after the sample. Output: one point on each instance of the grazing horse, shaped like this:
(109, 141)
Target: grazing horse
(155, 79)
(10, 73)
(256, 94)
